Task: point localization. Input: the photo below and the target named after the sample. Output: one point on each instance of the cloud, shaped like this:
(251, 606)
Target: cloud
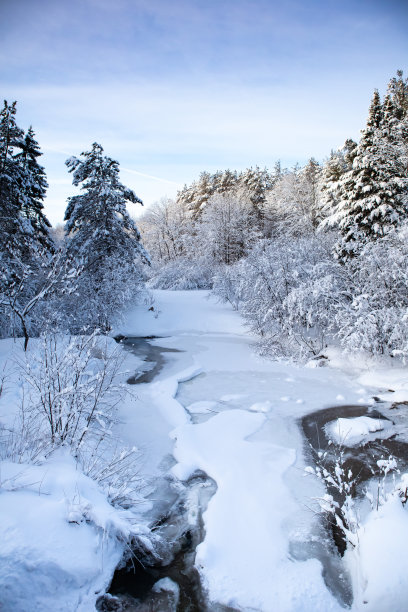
(173, 88)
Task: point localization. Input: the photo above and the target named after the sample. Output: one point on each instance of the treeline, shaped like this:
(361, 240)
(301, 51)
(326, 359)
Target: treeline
(310, 255)
(218, 218)
(78, 285)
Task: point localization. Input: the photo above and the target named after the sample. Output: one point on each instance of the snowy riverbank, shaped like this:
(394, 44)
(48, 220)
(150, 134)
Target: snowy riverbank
(217, 407)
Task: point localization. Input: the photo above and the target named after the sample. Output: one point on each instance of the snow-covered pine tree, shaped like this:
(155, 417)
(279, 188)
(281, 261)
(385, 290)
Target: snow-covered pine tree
(34, 188)
(225, 181)
(333, 184)
(23, 226)
(101, 238)
(372, 199)
(398, 91)
(257, 183)
(203, 190)
(13, 230)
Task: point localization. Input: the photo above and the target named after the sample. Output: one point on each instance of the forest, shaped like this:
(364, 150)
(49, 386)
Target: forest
(123, 465)
(309, 255)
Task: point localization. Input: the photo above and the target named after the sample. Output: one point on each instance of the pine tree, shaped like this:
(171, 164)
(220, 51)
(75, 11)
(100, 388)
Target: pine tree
(24, 268)
(398, 91)
(33, 189)
(203, 190)
(333, 184)
(13, 230)
(373, 191)
(257, 182)
(100, 235)
(225, 182)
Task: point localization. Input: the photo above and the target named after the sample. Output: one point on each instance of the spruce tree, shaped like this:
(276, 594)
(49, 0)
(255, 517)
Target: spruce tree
(101, 237)
(13, 231)
(34, 188)
(24, 267)
(373, 191)
(398, 91)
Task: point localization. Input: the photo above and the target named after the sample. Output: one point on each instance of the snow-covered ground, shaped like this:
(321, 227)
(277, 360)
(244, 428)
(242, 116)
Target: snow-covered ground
(235, 417)
(218, 407)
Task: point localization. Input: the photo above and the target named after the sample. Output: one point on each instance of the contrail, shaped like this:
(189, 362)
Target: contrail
(150, 176)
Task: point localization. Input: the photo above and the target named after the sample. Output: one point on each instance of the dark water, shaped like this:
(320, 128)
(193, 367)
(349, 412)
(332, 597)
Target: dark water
(153, 357)
(131, 587)
(361, 459)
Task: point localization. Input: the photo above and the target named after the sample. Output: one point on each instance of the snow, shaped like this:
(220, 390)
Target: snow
(251, 446)
(202, 407)
(180, 312)
(244, 557)
(379, 567)
(349, 432)
(60, 537)
(250, 443)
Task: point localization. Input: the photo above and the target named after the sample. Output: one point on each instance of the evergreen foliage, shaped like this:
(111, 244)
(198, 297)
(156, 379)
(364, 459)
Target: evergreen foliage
(14, 229)
(34, 187)
(101, 238)
(372, 193)
(27, 245)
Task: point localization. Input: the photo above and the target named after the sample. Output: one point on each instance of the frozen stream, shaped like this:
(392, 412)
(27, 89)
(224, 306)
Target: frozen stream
(219, 411)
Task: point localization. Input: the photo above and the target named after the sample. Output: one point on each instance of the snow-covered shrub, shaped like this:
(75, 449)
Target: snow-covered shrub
(115, 469)
(70, 392)
(71, 389)
(338, 504)
(376, 319)
(311, 307)
(288, 292)
(182, 273)
(228, 284)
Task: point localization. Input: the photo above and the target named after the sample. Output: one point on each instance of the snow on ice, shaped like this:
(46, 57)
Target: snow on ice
(351, 431)
(62, 539)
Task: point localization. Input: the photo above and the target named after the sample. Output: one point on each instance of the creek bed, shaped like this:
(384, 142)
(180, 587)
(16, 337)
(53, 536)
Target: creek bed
(152, 355)
(172, 583)
(360, 459)
(179, 590)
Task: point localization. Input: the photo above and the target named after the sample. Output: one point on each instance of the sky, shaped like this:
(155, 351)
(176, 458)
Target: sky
(171, 88)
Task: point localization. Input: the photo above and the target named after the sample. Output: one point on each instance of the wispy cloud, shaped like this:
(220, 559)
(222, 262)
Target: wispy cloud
(173, 88)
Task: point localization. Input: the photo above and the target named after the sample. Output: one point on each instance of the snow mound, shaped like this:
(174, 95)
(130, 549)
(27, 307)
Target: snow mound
(261, 407)
(379, 567)
(349, 432)
(61, 539)
(202, 407)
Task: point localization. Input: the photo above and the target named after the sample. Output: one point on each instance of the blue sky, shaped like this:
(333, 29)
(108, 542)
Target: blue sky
(171, 88)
